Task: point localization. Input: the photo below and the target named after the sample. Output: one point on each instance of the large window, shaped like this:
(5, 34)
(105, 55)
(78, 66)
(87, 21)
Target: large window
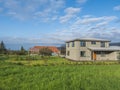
(102, 44)
(73, 44)
(82, 43)
(93, 42)
(82, 53)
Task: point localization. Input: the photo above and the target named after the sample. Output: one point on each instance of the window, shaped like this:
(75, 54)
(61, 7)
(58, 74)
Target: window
(82, 43)
(103, 54)
(73, 44)
(82, 53)
(93, 42)
(102, 44)
(68, 53)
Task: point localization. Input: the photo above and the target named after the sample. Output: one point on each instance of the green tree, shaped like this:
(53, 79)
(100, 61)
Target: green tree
(22, 51)
(3, 49)
(45, 51)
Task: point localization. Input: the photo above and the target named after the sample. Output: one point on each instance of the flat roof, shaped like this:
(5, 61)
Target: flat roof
(88, 39)
(111, 48)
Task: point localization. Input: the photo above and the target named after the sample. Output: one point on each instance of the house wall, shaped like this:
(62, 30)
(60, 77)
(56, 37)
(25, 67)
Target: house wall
(118, 55)
(87, 54)
(108, 56)
(74, 52)
(98, 44)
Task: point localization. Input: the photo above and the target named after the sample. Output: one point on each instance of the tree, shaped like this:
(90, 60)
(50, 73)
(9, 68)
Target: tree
(3, 49)
(22, 51)
(45, 51)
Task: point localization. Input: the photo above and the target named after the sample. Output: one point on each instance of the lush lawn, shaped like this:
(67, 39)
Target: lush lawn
(27, 75)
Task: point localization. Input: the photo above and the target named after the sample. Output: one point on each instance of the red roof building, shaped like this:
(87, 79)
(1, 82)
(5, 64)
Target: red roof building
(36, 49)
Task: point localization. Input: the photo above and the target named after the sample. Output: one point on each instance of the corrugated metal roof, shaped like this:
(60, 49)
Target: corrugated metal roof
(88, 39)
(111, 48)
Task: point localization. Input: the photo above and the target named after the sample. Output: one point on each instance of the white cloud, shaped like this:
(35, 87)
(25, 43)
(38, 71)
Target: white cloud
(110, 18)
(70, 13)
(31, 9)
(90, 20)
(46, 10)
(107, 33)
(81, 1)
(66, 18)
(86, 25)
(54, 18)
(102, 24)
(94, 27)
(117, 8)
(56, 3)
(98, 27)
(72, 10)
(87, 16)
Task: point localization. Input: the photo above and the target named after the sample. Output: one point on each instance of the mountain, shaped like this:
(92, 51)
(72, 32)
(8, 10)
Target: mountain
(115, 44)
(27, 46)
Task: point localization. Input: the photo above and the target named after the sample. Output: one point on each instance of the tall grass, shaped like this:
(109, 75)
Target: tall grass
(38, 61)
(59, 77)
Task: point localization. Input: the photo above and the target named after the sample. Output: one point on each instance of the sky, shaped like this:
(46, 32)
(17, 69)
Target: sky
(52, 22)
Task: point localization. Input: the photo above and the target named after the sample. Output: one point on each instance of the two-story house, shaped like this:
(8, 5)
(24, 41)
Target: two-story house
(91, 49)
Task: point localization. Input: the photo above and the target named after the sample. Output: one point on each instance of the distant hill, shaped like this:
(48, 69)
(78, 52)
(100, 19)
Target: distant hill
(115, 44)
(27, 46)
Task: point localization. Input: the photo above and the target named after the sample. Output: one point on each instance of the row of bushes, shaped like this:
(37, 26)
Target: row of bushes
(54, 60)
(46, 63)
(19, 57)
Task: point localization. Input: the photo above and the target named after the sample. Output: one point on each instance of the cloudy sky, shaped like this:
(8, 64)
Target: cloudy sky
(51, 22)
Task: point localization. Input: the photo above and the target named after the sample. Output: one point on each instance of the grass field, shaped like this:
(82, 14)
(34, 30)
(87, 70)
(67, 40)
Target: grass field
(57, 74)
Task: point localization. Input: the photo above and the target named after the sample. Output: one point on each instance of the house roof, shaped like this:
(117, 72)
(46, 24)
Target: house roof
(88, 39)
(52, 48)
(111, 48)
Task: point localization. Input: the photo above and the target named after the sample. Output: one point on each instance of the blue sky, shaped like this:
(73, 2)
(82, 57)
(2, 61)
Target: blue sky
(51, 22)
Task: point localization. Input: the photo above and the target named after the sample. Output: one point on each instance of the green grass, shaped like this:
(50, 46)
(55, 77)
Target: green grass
(38, 61)
(58, 74)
